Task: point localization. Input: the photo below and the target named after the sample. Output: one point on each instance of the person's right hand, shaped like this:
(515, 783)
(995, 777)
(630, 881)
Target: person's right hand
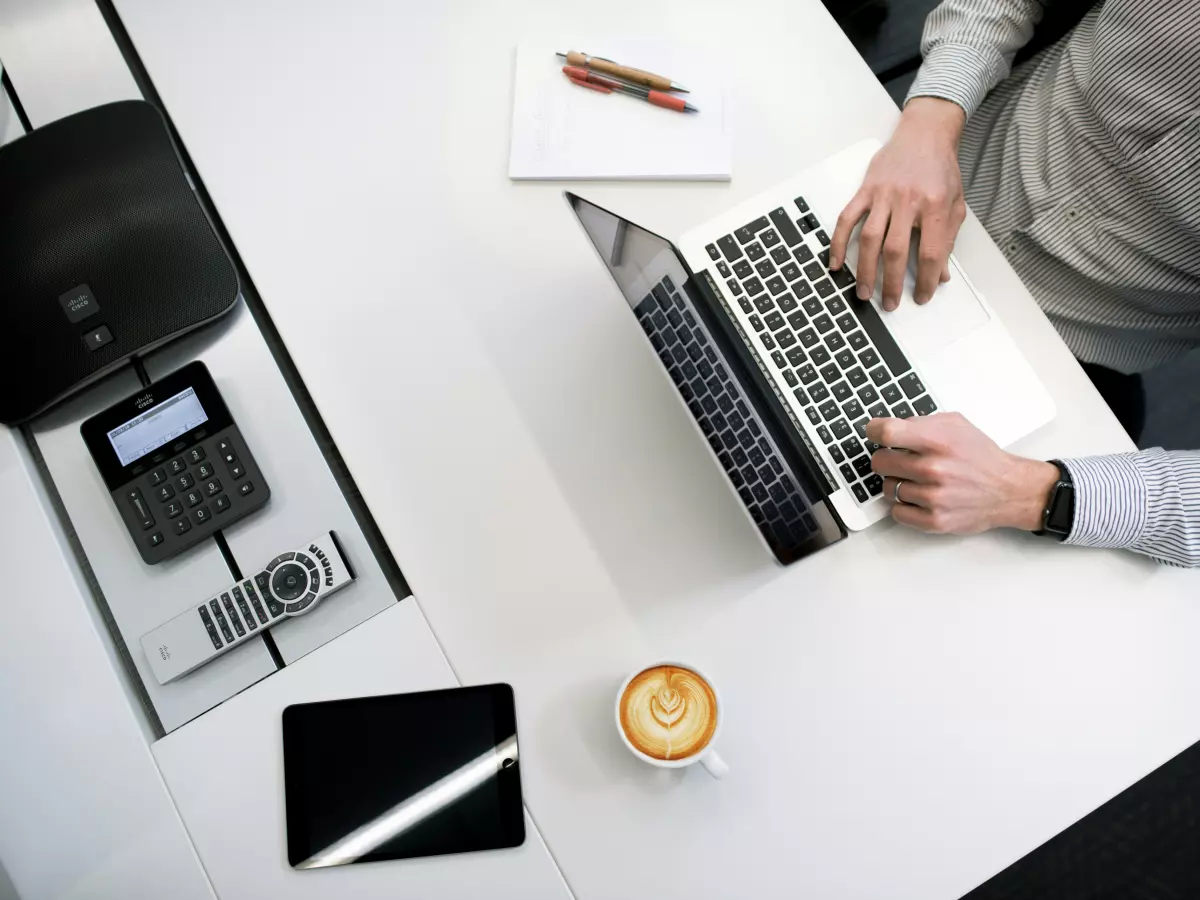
(913, 182)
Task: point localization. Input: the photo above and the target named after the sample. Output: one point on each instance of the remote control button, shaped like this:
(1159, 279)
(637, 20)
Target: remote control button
(233, 616)
(281, 558)
(212, 488)
(174, 510)
(195, 455)
(221, 503)
(220, 617)
(184, 481)
(164, 493)
(263, 581)
(302, 604)
(229, 456)
(176, 466)
(224, 445)
(240, 599)
(210, 628)
(289, 581)
(205, 471)
(141, 512)
(258, 610)
(236, 471)
(247, 487)
(155, 539)
(157, 477)
(201, 515)
(193, 498)
(308, 563)
(314, 581)
(181, 526)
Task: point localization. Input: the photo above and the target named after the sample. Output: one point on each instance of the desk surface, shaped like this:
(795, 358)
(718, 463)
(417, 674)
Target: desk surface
(906, 715)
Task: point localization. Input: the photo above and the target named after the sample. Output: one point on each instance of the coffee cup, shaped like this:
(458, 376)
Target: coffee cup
(669, 715)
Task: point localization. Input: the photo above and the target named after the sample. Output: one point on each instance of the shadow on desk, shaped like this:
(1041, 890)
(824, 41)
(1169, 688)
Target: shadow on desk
(633, 467)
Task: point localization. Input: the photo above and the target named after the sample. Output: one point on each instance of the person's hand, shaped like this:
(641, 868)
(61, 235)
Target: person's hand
(913, 182)
(954, 479)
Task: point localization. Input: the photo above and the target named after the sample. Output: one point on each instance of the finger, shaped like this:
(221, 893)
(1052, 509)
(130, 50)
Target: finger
(903, 434)
(913, 516)
(910, 492)
(945, 276)
(933, 256)
(896, 464)
(854, 211)
(895, 257)
(870, 243)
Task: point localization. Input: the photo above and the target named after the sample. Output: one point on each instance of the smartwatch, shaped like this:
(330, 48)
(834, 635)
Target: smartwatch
(1059, 515)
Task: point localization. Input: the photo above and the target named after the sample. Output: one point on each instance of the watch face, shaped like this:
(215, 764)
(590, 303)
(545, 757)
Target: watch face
(1060, 514)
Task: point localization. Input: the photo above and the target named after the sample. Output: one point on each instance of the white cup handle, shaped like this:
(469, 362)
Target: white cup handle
(713, 763)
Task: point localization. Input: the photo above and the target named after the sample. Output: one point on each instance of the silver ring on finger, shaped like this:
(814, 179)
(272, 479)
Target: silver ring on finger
(896, 491)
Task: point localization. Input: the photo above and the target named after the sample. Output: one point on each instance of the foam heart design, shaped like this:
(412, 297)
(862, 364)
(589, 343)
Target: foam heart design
(667, 706)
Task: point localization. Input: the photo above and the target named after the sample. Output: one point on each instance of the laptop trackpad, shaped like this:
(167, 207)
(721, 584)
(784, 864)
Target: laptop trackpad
(953, 313)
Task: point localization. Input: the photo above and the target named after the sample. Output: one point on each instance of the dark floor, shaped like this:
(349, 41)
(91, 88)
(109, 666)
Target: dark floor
(1172, 391)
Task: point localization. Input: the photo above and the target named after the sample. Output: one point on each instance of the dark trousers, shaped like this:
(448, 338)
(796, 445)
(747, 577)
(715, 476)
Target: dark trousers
(1124, 395)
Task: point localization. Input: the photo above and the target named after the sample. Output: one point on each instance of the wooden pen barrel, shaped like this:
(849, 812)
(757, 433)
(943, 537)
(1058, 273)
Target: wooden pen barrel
(633, 76)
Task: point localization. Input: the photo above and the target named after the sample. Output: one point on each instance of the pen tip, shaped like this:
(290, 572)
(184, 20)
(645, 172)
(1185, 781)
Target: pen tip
(679, 88)
(687, 107)
(563, 55)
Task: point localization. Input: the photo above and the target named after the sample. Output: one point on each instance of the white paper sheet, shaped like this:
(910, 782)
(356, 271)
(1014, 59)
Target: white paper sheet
(563, 131)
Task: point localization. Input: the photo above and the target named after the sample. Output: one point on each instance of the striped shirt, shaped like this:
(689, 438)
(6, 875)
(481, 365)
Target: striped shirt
(1084, 166)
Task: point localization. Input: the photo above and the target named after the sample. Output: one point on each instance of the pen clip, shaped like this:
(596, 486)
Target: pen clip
(589, 85)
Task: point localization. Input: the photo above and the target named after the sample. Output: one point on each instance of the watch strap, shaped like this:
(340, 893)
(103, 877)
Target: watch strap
(1058, 517)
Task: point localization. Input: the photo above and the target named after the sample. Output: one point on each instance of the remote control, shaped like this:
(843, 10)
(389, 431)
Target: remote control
(291, 584)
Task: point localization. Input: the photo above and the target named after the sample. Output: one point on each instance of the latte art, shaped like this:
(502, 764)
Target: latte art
(669, 712)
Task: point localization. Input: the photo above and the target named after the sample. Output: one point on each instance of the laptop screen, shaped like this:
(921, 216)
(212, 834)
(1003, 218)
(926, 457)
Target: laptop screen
(760, 459)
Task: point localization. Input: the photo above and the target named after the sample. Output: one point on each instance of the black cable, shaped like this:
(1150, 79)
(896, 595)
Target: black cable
(15, 100)
(140, 368)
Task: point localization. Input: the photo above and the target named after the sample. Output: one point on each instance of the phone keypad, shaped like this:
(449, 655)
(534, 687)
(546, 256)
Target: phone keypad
(191, 494)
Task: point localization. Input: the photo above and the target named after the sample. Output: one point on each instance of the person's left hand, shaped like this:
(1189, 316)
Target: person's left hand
(954, 479)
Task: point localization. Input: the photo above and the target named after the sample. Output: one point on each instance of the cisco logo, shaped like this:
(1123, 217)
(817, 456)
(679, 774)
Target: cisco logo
(143, 401)
(78, 303)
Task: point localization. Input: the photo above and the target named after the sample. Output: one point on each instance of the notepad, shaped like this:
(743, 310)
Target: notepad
(562, 131)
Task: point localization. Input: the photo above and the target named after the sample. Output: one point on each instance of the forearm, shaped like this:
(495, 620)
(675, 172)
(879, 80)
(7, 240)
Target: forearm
(1148, 502)
(968, 47)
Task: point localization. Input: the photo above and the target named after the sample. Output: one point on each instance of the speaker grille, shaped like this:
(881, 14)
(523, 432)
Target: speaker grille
(98, 198)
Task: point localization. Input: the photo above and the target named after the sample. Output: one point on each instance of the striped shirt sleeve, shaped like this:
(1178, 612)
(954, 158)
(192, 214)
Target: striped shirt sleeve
(968, 47)
(1147, 501)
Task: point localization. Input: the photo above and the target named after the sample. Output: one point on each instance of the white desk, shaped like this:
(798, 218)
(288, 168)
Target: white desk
(906, 715)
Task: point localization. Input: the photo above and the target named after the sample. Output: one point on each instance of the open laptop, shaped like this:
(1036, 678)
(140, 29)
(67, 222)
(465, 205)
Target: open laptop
(780, 364)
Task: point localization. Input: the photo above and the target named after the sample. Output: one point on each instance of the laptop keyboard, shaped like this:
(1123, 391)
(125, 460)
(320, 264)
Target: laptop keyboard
(826, 348)
(729, 422)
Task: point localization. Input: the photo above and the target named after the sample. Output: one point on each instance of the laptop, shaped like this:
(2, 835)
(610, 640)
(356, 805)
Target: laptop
(781, 366)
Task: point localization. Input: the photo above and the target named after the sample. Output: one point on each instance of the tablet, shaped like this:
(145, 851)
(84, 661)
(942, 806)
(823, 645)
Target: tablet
(402, 775)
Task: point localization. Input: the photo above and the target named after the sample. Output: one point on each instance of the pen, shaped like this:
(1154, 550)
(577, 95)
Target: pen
(591, 80)
(626, 73)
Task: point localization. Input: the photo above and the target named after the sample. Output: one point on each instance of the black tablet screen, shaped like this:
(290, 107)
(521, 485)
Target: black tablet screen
(402, 775)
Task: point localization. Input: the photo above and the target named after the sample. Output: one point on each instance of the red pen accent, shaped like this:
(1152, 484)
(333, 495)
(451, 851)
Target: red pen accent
(578, 73)
(594, 87)
(668, 101)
